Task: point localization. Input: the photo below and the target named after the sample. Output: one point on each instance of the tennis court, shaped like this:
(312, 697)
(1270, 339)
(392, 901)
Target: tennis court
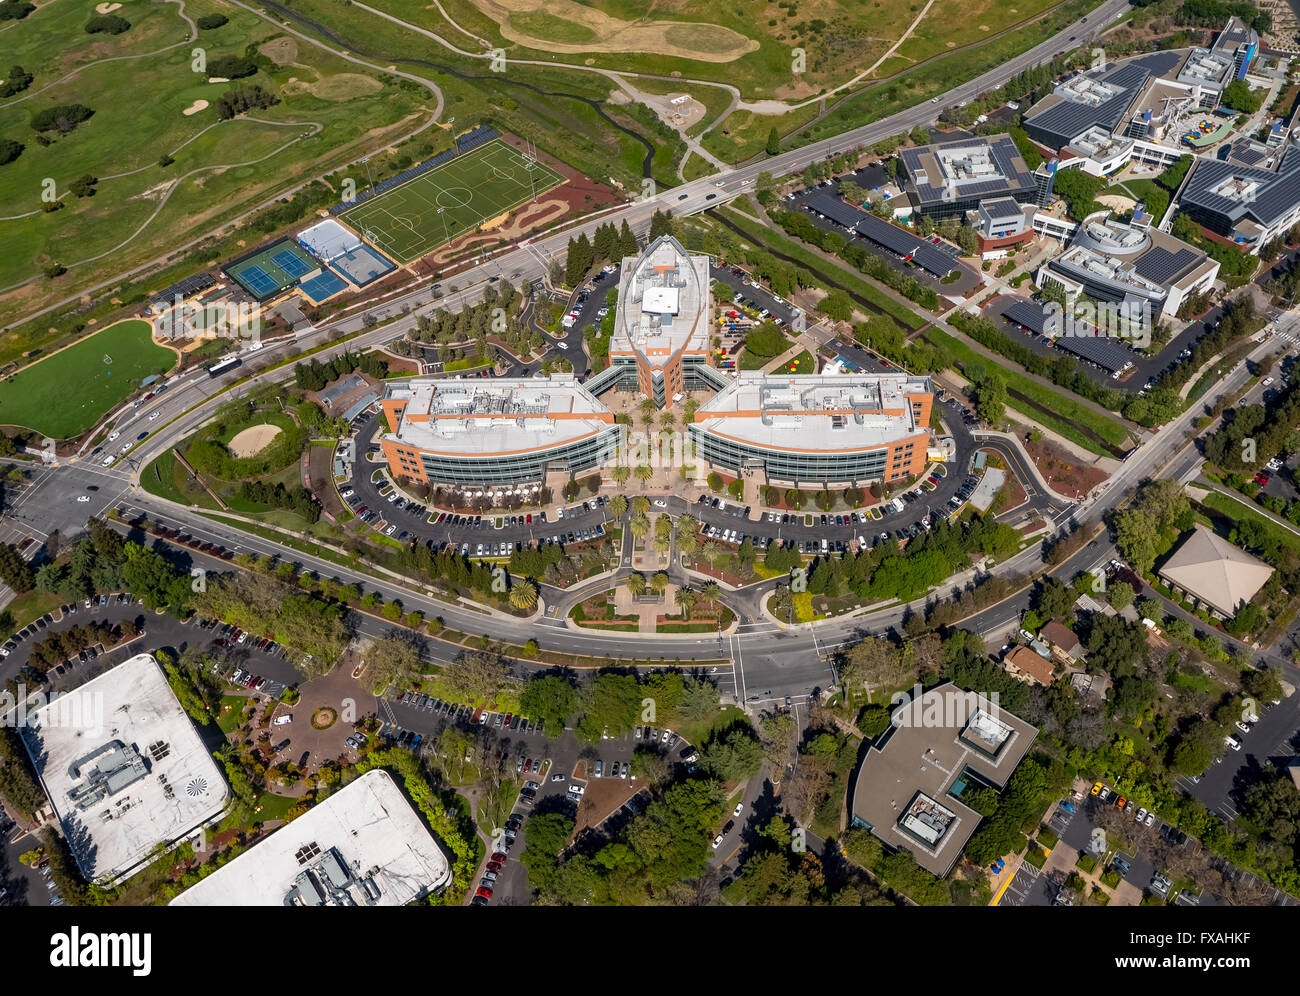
(276, 268)
(432, 209)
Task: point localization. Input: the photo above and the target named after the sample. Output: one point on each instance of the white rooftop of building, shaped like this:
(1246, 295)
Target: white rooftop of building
(501, 415)
(362, 846)
(815, 411)
(663, 300)
(123, 767)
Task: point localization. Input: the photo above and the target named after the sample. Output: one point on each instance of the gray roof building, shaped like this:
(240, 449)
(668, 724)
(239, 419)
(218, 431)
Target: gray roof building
(909, 785)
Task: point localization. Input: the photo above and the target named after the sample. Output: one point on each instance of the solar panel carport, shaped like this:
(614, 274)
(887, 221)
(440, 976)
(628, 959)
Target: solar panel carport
(905, 244)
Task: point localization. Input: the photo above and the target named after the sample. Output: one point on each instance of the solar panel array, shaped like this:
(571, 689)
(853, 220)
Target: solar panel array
(904, 243)
(1002, 207)
(183, 288)
(1276, 193)
(1104, 351)
(1032, 316)
(1002, 152)
(836, 210)
(1161, 266)
(1066, 119)
(470, 140)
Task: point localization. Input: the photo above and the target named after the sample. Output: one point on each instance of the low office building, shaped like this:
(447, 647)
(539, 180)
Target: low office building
(909, 785)
(1214, 573)
(948, 179)
(1249, 198)
(1131, 264)
(817, 428)
(362, 846)
(498, 431)
(1003, 222)
(661, 331)
(124, 769)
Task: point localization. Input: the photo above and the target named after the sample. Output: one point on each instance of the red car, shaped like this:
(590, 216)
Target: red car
(509, 717)
(1261, 479)
(494, 866)
(500, 857)
(484, 891)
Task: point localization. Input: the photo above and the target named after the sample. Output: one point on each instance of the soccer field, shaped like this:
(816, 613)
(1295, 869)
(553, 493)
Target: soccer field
(66, 393)
(433, 208)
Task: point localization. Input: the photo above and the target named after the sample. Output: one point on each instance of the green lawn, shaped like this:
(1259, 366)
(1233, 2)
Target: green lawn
(67, 392)
(166, 478)
(1051, 407)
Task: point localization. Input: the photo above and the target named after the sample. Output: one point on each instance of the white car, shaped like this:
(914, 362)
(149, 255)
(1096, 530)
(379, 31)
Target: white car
(740, 808)
(85, 498)
(1242, 727)
(108, 460)
(1267, 381)
(113, 435)
(717, 842)
(1232, 741)
(659, 503)
(154, 414)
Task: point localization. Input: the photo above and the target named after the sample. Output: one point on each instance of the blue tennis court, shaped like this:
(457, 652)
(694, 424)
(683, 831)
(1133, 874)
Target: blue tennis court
(324, 286)
(258, 280)
(292, 264)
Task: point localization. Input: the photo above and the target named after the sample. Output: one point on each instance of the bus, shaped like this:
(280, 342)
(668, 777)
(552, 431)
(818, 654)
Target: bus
(222, 366)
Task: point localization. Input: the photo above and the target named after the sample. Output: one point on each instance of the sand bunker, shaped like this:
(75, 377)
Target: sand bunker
(253, 440)
(106, 8)
(194, 108)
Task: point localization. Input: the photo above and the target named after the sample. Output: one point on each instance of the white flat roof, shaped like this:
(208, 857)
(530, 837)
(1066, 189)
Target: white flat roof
(815, 412)
(123, 767)
(385, 852)
(660, 300)
(479, 417)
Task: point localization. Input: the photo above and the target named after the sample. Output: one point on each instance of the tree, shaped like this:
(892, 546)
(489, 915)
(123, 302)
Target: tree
(392, 661)
(773, 146)
(686, 599)
(476, 676)
(1120, 595)
(551, 699)
(618, 505)
(873, 662)
(643, 472)
(620, 475)
(636, 584)
(1239, 96)
(659, 582)
(523, 594)
(990, 397)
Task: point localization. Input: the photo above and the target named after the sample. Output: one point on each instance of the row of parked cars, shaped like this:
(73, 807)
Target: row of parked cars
(497, 861)
(32, 629)
(458, 712)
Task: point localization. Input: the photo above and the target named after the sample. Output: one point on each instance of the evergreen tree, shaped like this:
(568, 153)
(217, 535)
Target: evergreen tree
(773, 142)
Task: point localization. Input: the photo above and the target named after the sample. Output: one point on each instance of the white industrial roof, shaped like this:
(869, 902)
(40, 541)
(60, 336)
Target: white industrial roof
(386, 854)
(123, 767)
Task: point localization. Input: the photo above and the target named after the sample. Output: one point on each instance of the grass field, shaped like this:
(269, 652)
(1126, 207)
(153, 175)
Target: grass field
(430, 210)
(66, 393)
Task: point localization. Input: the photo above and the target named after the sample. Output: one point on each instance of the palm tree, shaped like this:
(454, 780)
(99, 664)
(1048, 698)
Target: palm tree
(687, 526)
(639, 525)
(621, 473)
(640, 505)
(523, 594)
(636, 585)
(643, 472)
(686, 544)
(618, 505)
(663, 526)
(711, 553)
(662, 544)
(648, 409)
(686, 599)
(667, 419)
(659, 583)
(709, 591)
